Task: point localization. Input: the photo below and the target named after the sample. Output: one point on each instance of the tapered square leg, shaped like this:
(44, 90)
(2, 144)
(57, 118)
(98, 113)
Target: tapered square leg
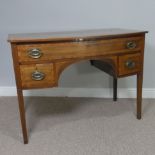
(139, 94)
(114, 89)
(22, 115)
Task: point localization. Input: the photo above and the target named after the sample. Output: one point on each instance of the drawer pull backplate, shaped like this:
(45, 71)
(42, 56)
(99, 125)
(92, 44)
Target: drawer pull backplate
(35, 53)
(37, 75)
(131, 45)
(130, 64)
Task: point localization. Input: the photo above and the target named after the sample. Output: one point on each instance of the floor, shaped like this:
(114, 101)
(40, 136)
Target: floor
(78, 126)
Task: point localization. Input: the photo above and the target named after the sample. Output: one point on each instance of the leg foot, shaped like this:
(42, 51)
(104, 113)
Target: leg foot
(25, 141)
(139, 116)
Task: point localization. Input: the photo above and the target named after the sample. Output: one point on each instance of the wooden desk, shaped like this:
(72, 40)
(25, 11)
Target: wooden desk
(39, 59)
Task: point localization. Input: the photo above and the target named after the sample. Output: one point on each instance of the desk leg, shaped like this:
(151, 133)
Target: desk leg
(139, 94)
(114, 89)
(22, 114)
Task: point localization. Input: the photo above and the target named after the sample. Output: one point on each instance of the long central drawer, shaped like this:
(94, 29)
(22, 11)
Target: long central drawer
(51, 51)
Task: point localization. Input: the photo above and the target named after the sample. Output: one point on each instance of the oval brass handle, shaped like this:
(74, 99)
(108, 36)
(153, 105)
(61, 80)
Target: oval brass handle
(131, 45)
(130, 64)
(35, 53)
(37, 75)
(79, 39)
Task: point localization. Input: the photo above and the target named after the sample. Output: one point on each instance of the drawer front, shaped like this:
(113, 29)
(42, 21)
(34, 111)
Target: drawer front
(37, 76)
(52, 51)
(129, 64)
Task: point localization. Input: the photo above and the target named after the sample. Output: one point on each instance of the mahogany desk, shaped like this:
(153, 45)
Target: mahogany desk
(40, 58)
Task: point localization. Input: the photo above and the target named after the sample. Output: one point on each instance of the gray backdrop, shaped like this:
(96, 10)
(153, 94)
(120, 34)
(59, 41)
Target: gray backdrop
(20, 16)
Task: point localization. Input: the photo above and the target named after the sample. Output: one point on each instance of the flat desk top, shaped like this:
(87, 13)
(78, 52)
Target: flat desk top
(71, 35)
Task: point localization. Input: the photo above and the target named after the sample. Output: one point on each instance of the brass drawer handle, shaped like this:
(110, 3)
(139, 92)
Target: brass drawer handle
(37, 75)
(130, 64)
(79, 39)
(131, 45)
(35, 53)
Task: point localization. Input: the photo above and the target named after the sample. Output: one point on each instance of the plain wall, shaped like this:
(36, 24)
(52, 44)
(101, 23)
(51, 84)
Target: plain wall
(20, 16)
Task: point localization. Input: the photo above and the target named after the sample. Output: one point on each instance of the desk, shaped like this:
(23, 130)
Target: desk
(40, 58)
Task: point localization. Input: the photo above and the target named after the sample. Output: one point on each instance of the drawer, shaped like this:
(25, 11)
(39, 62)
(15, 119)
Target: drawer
(51, 51)
(37, 76)
(129, 64)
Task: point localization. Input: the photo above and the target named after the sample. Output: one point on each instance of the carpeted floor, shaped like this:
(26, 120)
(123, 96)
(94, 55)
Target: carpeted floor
(77, 126)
